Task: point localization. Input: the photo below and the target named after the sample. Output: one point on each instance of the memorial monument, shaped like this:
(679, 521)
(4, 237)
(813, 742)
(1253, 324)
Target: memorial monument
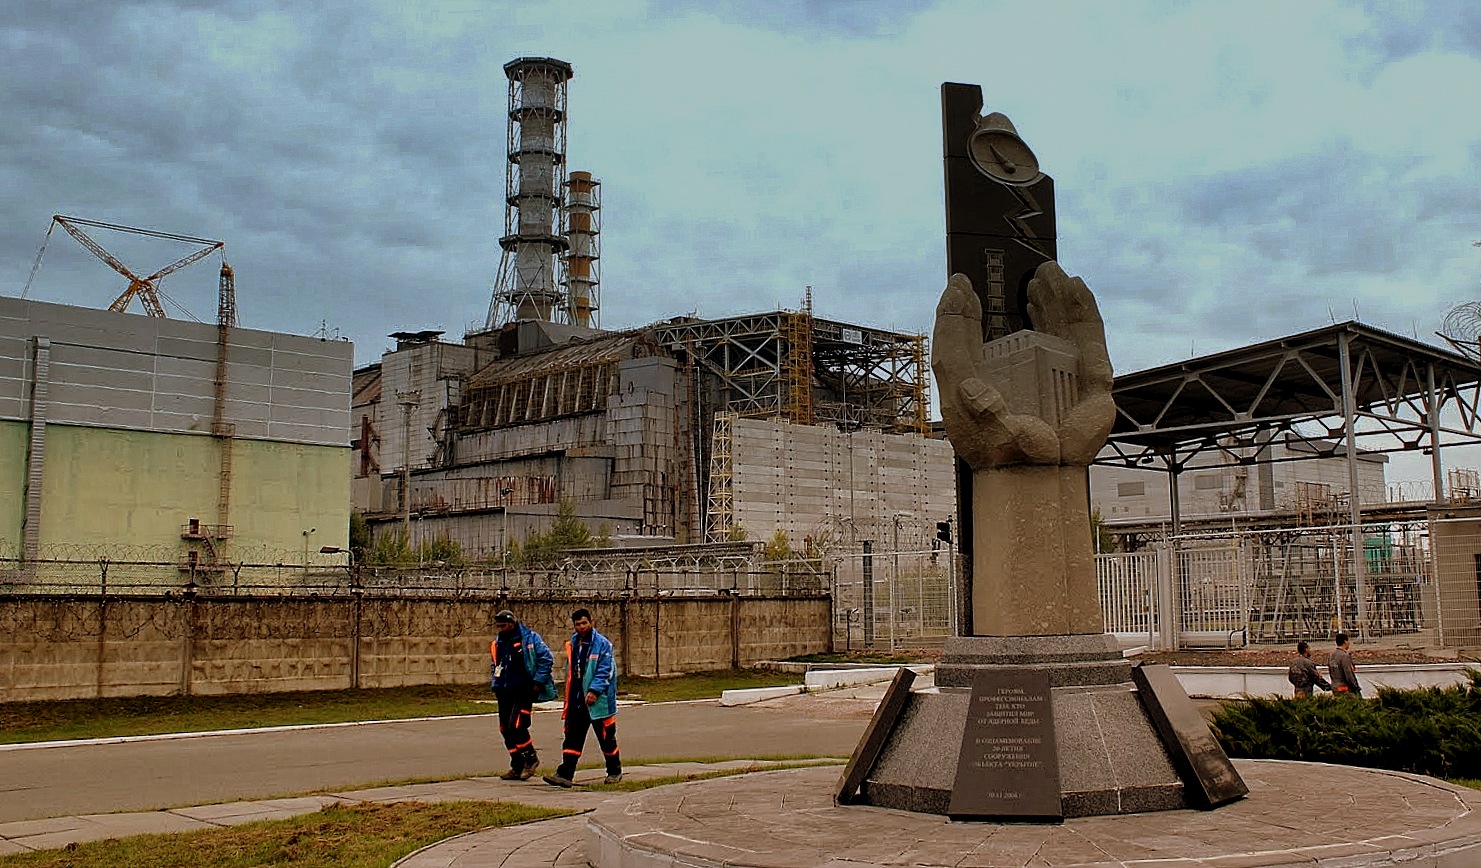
(1037, 724)
(1037, 715)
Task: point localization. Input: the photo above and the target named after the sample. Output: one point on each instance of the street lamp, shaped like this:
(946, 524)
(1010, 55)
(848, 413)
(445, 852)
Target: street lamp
(306, 534)
(504, 498)
(350, 553)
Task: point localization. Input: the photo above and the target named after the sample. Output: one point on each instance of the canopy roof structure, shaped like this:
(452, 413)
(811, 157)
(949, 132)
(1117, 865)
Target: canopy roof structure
(1344, 388)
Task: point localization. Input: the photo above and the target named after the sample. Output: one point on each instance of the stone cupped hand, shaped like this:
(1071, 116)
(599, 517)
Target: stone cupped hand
(985, 416)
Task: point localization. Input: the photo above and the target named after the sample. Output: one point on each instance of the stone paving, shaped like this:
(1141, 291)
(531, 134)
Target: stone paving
(1297, 814)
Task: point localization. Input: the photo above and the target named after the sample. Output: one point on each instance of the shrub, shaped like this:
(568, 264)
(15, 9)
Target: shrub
(1431, 731)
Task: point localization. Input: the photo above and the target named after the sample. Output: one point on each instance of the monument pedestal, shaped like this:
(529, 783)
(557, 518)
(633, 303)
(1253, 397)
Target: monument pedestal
(1100, 741)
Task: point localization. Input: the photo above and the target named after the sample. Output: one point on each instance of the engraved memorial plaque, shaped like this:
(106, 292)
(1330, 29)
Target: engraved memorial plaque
(1009, 763)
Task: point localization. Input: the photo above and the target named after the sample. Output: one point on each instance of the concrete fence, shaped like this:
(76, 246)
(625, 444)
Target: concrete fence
(85, 647)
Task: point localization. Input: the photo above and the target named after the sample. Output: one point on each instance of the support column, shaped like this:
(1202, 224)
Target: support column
(1432, 416)
(36, 454)
(1354, 505)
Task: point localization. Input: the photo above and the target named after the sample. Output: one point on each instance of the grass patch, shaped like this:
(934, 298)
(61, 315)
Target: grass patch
(22, 722)
(344, 836)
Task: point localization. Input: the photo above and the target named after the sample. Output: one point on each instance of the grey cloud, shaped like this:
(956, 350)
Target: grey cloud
(823, 18)
(1336, 211)
(1399, 30)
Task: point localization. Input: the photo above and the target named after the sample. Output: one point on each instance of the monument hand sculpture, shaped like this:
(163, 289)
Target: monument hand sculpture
(992, 420)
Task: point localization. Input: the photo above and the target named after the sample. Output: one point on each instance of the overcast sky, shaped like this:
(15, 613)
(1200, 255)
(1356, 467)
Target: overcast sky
(1225, 172)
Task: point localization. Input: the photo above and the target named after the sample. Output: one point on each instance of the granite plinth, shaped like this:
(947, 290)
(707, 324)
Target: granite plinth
(1070, 661)
(786, 819)
(1110, 758)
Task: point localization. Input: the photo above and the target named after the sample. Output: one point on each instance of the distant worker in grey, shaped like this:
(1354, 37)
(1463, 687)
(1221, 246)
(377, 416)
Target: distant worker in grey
(1340, 669)
(520, 676)
(591, 700)
(1303, 674)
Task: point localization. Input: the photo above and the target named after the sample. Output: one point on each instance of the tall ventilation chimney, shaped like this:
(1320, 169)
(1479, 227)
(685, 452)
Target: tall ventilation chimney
(583, 231)
(526, 287)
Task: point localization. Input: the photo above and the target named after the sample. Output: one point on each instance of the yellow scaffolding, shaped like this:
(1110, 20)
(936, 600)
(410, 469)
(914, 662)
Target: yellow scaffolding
(797, 369)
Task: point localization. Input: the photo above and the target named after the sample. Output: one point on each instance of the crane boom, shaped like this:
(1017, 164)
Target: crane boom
(145, 289)
(96, 249)
(184, 261)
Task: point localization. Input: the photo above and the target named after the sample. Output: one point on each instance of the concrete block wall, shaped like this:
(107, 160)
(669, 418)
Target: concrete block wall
(58, 648)
(820, 482)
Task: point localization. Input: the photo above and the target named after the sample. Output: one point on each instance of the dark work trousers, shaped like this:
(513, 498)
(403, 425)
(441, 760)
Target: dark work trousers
(578, 719)
(515, 705)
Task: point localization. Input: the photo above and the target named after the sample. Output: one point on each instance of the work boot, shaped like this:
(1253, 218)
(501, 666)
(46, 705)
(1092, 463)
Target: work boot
(556, 780)
(613, 779)
(511, 775)
(532, 764)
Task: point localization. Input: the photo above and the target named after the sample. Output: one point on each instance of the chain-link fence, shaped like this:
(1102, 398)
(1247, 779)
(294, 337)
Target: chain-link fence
(893, 599)
(107, 574)
(1280, 585)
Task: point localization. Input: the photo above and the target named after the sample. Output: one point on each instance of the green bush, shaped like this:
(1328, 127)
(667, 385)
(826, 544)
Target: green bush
(1431, 731)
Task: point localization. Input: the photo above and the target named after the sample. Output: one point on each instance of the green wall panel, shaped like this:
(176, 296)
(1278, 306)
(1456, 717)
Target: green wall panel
(107, 489)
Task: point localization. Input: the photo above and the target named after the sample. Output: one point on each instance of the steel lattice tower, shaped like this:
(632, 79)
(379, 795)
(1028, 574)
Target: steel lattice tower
(528, 283)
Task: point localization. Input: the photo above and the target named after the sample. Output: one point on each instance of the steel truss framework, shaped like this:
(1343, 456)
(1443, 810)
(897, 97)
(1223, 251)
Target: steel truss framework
(1346, 385)
(854, 375)
(1340, 390)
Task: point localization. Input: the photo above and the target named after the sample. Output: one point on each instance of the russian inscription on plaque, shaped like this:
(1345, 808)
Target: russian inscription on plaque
(1008, 768)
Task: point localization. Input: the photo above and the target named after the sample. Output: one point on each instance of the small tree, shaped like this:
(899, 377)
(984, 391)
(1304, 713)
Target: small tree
(390, 550)
(359, 536)
(569, 532)
(441, 549)
(1105, 541)
(778, 548)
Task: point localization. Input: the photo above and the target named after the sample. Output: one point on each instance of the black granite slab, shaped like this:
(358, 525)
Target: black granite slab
(876, 735)
(1008, 768)
(1209, 778)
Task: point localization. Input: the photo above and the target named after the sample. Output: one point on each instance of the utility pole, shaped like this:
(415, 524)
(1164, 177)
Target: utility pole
(504, 499)
(408, 401)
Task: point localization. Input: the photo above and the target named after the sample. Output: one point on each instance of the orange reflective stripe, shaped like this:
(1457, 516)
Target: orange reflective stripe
(569, 752)
(527, 743)
(612, 753)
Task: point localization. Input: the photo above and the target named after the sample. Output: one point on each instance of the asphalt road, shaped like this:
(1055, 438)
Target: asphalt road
(39, 783)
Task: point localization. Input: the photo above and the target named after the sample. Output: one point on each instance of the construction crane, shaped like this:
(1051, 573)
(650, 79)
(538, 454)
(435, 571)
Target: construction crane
(146, 289)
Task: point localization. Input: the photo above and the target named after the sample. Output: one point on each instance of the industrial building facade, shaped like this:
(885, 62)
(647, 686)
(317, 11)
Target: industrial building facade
(185, 446)
(687, 431)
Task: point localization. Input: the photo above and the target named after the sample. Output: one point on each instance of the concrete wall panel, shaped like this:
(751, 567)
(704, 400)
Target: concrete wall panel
(267, 645)
(106, 366)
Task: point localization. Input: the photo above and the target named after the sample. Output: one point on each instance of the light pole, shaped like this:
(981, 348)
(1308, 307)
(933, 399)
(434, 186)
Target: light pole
(504, 499)
(408, 401)
(307, 532)
(349, 553)
(895, 579)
